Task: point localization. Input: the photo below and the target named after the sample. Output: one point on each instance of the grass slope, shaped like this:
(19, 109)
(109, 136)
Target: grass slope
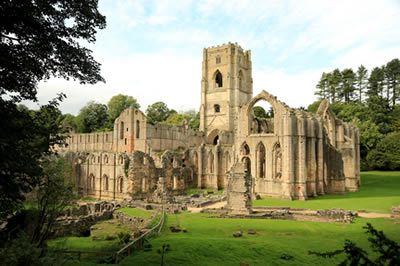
(136, 212)
(209, 241)
(379, 191)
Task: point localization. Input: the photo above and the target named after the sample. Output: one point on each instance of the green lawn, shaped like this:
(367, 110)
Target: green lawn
(209, 241)
(379, 191)
(137, 212)
(209, 191)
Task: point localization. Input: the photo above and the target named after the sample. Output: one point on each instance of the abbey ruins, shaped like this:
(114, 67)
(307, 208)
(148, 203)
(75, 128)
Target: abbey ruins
(293, 155)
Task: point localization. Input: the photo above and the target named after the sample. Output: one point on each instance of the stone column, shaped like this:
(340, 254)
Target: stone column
(216, 166)
(301, 189)
(313, 160)
(288, 173)
(200, 166)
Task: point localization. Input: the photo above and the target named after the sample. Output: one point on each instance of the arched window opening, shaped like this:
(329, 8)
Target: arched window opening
(121, 130)
(247, 164)
(144, 185)
(261, 160)
(277, 161)
(120, 159)
(245, 150)
(218, 79)
(262, 117)
(120, 186)
(137, 129)
(91, 183)
(217, 108)
(105, 183)
(211, 163)
(216, 139)
(126, 141)
(218, 59)
(105, 159)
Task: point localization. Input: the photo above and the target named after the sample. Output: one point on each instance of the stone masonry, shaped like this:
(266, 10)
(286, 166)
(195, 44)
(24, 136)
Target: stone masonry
(293, 154)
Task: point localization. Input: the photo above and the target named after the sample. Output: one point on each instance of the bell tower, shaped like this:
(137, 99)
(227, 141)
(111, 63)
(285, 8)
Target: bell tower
(226, 85)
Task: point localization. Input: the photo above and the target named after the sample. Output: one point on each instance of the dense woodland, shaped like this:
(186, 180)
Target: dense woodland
(371, 100)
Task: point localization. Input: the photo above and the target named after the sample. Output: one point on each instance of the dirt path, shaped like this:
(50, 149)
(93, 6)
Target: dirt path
(216, 205)
(374, 215)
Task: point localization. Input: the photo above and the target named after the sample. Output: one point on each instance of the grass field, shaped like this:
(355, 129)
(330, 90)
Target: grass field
(136, 212)
(379, 191)
(209, 241)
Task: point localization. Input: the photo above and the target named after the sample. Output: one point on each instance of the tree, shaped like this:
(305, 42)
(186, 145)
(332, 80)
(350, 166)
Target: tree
(347, 84)
(322, 87)
(386, 156)
(25, 136)
(119, 103)
(92, 117)
(54, 193)
(334, 80)
(69, 123)
(157, 112)
(361, 81)
(392, 76)
(191, 117)
(388, 251)
(40, 39)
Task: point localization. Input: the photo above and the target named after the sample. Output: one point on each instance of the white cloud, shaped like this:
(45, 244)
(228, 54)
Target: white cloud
(294, 89)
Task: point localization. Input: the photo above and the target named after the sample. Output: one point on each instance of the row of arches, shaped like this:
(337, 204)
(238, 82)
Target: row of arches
(105, 183)
(104, 159)
(261, 166)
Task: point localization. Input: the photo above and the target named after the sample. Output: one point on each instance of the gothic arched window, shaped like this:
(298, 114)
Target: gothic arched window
(218, 79)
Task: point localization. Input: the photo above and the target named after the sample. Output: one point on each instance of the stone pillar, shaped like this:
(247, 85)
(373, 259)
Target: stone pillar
(313, 160)
(301, 190)
(200, 166)
(216, 166)
(288, 173)
(239, 191)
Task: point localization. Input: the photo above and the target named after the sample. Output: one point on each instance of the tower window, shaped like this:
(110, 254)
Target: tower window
(218, 79)
(218, 60)
(217, 108)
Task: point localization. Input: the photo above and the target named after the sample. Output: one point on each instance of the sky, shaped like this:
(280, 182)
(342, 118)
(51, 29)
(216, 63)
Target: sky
(152, 50)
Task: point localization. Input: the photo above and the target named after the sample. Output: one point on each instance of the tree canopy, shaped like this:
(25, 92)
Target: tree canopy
(92, 117)
(157, 112)
(119, 103)
(372, 103)
(40, 39)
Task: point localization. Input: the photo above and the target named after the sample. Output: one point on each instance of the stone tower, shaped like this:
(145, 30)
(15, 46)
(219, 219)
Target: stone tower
(225, 86)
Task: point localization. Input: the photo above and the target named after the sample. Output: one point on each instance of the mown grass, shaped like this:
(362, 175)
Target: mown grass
(209, 241)
(103, 238)
(379, 191)
(137, 212)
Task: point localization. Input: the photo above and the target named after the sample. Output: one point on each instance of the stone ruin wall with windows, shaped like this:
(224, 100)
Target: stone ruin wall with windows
(293, 154)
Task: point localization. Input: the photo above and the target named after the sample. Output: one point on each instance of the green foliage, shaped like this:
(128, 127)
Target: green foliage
(119, 103)
(260, 112)
(123, 238)
(54, 193)
(388, 250)
(387, 153)
(20, 251)
(25, 136)
(157, 112)
(92, 117)
(40, 39)
(191, 117)
(69, 123)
